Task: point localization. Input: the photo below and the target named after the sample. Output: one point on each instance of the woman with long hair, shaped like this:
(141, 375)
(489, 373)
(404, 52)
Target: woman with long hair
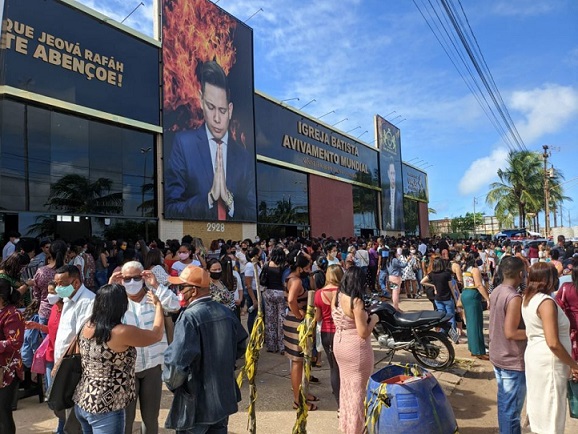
(154, 262)
(473, 293)
(274, 298)
(395, 269)
(567, 297)
(323, 298)
(352, 349)
(296, 298)
(11, 340)
(185, 254)
(547, 357)
(101, 256)
(108, 359)
(10, 269)
(408, 276)
(55, 259)
(217, 288)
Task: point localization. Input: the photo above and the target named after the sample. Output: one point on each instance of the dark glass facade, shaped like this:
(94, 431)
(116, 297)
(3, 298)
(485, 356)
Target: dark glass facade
(39, 147)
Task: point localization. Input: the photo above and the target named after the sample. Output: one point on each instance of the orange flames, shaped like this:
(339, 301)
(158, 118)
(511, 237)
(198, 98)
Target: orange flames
(194, 31)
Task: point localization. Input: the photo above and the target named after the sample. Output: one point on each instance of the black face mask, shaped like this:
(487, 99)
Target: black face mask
(216, 275)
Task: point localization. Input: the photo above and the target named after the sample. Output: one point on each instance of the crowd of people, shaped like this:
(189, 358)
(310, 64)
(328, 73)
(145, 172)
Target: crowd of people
(143, 313)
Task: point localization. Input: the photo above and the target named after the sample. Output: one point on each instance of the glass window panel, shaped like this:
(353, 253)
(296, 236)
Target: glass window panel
(282, 196)
(38, 121)
(12, 185)
(364, 209)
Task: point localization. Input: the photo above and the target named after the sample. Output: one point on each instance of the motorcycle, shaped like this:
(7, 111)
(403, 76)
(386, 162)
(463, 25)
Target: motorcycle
(413, 332)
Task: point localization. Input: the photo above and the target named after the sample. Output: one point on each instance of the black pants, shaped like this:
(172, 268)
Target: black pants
(217, 428)
(6, 399)
(327, 342)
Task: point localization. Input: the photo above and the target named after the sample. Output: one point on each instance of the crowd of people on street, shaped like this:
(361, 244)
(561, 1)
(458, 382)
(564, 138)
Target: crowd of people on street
(141, 314)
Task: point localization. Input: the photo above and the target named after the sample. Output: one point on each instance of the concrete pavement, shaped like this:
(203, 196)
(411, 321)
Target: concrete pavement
(470, 385)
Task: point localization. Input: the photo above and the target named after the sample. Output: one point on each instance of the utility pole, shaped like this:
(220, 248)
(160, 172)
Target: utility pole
(474, 218)
(546, 154)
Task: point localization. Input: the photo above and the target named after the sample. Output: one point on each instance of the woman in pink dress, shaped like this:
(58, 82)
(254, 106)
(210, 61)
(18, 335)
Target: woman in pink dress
(352, 349)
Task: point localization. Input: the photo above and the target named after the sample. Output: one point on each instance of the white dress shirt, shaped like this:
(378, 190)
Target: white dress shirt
(142, 315)
(75, 312)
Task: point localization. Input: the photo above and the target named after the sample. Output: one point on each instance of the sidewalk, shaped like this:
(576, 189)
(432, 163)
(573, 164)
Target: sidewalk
(470, 385)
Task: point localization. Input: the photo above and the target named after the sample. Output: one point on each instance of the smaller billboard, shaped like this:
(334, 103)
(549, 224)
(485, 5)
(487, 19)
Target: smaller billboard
(415, 183)
(390, 170)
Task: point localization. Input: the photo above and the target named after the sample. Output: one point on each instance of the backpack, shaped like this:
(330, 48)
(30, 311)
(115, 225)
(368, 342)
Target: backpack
(89, 271)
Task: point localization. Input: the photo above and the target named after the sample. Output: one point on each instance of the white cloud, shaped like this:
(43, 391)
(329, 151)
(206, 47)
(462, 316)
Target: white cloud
(546, 109)
(523, 8)
(482, 171)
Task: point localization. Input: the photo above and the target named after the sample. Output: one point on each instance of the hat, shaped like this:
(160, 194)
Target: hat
(192, 275)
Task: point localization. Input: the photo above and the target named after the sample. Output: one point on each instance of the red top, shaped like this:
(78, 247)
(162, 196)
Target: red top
(327, 326)
(53, 322)
(11, 340)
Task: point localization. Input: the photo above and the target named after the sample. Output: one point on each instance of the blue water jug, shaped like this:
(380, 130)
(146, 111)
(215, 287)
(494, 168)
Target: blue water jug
(407, 399)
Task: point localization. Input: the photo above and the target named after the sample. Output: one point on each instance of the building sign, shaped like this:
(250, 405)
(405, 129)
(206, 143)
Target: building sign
(388, 138)
(414, 183)
(51, 48)
(209, 139)
(287, 136)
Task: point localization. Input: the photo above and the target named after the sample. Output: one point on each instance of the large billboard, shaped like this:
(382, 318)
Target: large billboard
(55, 50)
(209, 140)
(415, 183)
(288, 137)
(389, 140)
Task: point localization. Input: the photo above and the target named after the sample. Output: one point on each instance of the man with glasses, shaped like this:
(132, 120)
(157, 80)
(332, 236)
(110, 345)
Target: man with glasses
(200, 362)
(141, 313)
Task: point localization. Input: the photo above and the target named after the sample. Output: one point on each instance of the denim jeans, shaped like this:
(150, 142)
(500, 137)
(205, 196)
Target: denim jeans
(511, 395)
(383, 282)
(449, 308)
(103, 423)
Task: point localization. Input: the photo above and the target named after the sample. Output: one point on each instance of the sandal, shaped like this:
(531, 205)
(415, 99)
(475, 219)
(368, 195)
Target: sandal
(313, 379)
(310, 406)
(312, 398)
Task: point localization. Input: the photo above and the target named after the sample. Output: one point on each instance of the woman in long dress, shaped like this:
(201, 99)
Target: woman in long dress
(547, 357)
(352, 349)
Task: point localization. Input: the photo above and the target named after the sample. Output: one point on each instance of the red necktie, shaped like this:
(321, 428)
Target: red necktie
(221, 207)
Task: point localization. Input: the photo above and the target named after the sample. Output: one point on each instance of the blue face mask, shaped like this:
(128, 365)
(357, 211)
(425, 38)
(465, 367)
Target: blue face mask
(65, 291)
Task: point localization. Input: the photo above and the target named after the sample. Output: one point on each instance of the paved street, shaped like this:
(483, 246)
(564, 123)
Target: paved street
(469, 384)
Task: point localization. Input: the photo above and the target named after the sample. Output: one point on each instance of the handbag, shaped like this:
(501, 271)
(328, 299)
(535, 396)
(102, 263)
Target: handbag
(263, 277)
(66, 377)
(39, 359)
(573, 399)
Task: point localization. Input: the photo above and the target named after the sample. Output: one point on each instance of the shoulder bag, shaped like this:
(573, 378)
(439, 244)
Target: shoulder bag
(66, 377)
(39, 359)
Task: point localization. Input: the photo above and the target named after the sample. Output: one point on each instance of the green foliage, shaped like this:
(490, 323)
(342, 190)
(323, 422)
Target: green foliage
(467, 223)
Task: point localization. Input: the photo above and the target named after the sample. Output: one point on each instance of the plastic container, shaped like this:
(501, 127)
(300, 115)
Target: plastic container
(417, 405)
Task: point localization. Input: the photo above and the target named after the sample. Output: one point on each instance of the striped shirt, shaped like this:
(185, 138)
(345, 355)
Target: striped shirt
(142, 315)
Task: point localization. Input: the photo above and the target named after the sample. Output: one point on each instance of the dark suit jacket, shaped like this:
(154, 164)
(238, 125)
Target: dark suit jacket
(398, 212)
(189, 177)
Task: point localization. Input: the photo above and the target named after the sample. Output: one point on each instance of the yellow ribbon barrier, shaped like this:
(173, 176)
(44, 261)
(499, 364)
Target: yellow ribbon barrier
(380, 399)
(306, 332)
(252, 359)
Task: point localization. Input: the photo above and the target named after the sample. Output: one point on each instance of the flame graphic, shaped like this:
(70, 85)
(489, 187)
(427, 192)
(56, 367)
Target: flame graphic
(194, 31)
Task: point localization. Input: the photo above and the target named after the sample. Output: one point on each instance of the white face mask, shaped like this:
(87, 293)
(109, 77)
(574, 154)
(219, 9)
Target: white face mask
(16, 240)
(133, 287)
(52, 298)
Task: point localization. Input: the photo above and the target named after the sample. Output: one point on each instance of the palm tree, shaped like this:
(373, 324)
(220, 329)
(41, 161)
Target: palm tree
(45, 226)
(519, 186)
(76, 194)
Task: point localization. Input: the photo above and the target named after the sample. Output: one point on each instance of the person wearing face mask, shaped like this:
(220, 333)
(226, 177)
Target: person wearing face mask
(217, 288)
(10, 247)
(199, 365)
(332, 255)
(141, 313)
(55, 303)
(296, 298)
(76, 309)
(185, 254)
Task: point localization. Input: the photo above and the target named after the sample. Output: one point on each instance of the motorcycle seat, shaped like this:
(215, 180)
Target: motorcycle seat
(413, 319)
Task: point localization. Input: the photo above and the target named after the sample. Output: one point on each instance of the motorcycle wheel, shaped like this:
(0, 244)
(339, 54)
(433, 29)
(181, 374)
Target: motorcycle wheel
(435, 351)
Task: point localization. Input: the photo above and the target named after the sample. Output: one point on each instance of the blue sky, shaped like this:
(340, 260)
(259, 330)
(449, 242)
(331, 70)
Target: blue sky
(362, 57)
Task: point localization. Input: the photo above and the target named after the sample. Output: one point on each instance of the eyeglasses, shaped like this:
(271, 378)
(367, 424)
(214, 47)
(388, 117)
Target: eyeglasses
(128, 279)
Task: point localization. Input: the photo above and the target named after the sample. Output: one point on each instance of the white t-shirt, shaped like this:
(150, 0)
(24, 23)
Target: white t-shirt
(179, 267)
(250, 272)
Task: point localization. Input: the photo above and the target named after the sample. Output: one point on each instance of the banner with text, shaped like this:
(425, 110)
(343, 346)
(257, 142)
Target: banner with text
(415, 183)
(287, 136)
(389, 140)
(53, 49)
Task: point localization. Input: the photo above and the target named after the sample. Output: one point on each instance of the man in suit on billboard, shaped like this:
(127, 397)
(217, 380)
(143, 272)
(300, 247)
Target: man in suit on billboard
(209, 175)
(394, 214)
